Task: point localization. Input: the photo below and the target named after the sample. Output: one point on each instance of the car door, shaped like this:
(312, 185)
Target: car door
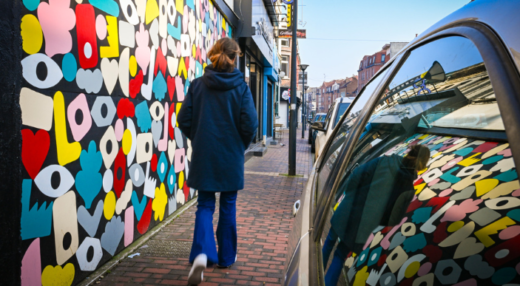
(321, 138)
(388, 221)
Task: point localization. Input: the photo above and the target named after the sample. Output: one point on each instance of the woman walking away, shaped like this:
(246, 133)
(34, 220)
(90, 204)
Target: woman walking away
(219, 118)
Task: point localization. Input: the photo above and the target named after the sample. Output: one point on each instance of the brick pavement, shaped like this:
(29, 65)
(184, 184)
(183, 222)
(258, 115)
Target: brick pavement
(264, 220)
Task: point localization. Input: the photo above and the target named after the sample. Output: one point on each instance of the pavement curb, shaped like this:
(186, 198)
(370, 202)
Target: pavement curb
(96, 275)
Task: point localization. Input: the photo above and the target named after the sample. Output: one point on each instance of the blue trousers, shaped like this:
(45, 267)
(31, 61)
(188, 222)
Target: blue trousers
(203, 236)
(340, 255)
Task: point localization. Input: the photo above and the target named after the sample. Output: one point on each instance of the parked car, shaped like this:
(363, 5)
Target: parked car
(456, 90)
(325, 128)
(320, 117)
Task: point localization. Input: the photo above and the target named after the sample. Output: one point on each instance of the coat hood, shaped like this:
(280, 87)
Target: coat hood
(222, 80)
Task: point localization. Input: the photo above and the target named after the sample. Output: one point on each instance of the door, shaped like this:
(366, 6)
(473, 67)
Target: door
(270, 107)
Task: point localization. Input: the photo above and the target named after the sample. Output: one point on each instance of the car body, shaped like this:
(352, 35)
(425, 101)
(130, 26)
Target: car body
(457, 223)
(319, 117)
(334, 114)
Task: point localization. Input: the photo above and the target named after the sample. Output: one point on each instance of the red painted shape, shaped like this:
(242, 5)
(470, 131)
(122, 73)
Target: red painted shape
(186, 191)
(125, 108)
(418, 181)
(119, 163)
(86, 35)
(437, 203)
(144, 223)
(197, 55)
(413, 206)
(386, 229)
(170, 82)
(485, 147)
(513, 251)
(440, 232)
(34, 150)
(171, 110)
(433, 252)
(135, 84)
(381, 260)
(187, 63)
(154, 162)
(160, 63)
(407, 282)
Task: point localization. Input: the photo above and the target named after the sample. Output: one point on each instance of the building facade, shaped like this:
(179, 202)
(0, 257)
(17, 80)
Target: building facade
(371, 64)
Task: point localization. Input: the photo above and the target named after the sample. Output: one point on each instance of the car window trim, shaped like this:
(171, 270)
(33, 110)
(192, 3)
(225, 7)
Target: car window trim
(505, 84)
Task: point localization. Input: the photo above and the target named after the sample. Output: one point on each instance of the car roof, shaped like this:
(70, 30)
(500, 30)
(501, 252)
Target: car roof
(344, 99)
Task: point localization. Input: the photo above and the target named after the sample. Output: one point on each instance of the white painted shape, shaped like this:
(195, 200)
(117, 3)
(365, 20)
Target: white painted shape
(37, 109)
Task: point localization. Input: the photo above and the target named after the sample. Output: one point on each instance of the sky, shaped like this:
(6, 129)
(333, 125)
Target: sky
(341, 32)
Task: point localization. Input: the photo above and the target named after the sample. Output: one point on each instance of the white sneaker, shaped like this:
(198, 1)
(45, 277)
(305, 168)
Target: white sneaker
(197, 270)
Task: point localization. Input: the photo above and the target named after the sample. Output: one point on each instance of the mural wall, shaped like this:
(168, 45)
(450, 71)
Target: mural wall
(461, 227)
(103, 158)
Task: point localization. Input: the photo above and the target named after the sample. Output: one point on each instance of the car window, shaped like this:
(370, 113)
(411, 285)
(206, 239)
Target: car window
(322, 118)
(341, 109)
(407, 192)
(328, 116)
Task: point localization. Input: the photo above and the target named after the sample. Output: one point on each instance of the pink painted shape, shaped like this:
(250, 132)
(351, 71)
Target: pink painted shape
(185, 20)
(425, 269)
(203, 54)
(445, 193)
(142, 53)
(518, 268)
(164, 47)
(510, 232)
(101, 27)
(129, 226)
(369, 240)
(385, 243)
(434, 182)
(57, 19)
(120, 129)
(179, 160)
(179, 48)
(516, 193)
(469, 282)
(79, 130)
(163, 143)
(31, 265)
(458, 212)
(506, 152)
(180, 88)
(451, 163)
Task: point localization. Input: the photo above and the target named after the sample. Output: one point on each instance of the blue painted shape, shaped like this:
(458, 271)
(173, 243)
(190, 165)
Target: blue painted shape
(492, 160)
(89, 180)
(144, 120)
(448, 177)
(514, 214)
(159, 87)
(363, 257)
(108, 6)
(414, 243)
(374, 256)
(230, 31)
(503, 276)
(171, 180)
(219, 23)
(421, 215)
(138, 205)
(186, 86)
(190, 4)
(175, 32)
(35, 222)
(31, 5)
(114, 230)
(198, 69)
(161, 171)
(69, 67)
(507, 176)
(463, 152)
(209, 24)
(435, 147)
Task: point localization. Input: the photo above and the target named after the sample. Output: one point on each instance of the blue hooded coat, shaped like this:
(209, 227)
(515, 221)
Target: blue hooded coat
(219, 117)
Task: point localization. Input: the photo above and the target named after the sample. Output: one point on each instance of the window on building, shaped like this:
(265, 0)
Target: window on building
(285, 65)
(383, 58)
(374, 59)
(284, 42)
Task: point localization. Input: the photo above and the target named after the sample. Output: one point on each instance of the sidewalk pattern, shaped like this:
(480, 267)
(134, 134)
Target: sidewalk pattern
(264, 221)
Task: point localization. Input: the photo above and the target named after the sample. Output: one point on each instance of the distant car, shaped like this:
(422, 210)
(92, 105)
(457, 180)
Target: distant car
(331, 120)
(454, 89)
(320, 117)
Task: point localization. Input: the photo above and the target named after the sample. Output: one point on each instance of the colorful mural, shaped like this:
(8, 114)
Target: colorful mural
(461, 227)
(104, 160)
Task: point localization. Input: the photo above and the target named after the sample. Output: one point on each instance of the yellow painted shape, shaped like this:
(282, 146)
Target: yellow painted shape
(441, 140)
(484, 234)
(423, 137)
(109, 206)
(152, 11)
(182, 69)
(454, 226)
(503, 189)
(193, 51)
(495, 150)
(181, 180)
(112, 51)
(32, 36)
(159, 202)
(422, 171)
(211, 14)
(179, 4)
(200, 25)
(437, 154)
(52, 276)
(127, 141)
(177, 109)
(361, 277)
(67, 152)
(484, 186)
(412, 269)
(419, 188)
(133, 66)
(224, 26)
(469, 161)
